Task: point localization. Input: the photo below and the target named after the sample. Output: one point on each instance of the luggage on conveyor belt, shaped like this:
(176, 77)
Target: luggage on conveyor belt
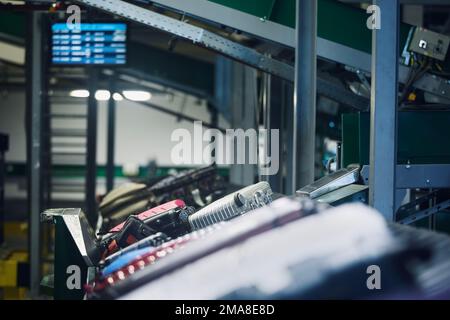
(232, 205)
(197, 187)
(170, 219)
(129, 198)
(173, 220)
(271, 254)
(168, 257)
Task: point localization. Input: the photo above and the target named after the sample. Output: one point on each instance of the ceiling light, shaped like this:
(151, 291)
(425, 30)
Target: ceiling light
(102, 95)
(81, 93)
(117, 96)
(134, 95)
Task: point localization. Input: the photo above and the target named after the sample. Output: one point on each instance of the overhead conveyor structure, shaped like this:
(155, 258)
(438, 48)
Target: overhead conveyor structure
(347, 45)
(195, 34)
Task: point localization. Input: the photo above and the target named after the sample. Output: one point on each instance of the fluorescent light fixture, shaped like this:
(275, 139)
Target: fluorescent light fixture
(81, 93)
(117, 96)
(12, 53)
(135, 95)
(102, 95)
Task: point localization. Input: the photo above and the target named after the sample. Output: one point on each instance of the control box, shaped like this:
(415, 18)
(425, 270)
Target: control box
(430, 44)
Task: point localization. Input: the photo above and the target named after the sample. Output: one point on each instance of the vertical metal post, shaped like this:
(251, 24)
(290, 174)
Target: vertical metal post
(276, 107)
(265, 104)
(111, 137)
(248, 120)
(4, 146)
(288, 138)
(243, 116)
(383, 124)
(91, 156)
(34, 105)
(305, 93)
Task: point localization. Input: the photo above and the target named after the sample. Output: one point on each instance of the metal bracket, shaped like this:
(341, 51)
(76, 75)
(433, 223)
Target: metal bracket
(79, 229)
(195, 34)
(362, 77)
(413, 215)
(424, 176)
(341, 94)
(74, 251)
(429, 83)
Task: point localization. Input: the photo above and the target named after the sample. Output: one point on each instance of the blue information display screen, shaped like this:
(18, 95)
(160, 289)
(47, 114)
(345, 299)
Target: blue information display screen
(90, 43)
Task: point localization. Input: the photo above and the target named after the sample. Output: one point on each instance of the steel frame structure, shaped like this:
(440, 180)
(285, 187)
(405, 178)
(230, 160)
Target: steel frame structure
(384, 106)
(304, 134)
(91, 154)
(35, 107)
(195, 34)
(285, 36)
(417, 176)
(360, 61)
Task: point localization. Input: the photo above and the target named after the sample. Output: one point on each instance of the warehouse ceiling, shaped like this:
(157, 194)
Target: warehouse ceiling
(157, 50)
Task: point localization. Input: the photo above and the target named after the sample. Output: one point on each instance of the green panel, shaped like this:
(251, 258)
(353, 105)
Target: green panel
(350, 139)
(284, 13)
(347, 25)
(343, 24)
(443, 222)
(75, 171)
(12, 23)
(259, 8)
(173, 67)
(336, 21)
(423, 137)
(364, 138)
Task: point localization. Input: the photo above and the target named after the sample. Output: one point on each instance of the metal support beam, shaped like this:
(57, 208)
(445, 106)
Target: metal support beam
(266, 106)
(269, 30)
(222, 86)
(276, 106)
(243, 116)
(384, 103)
(34, 105)
(111, 134)
(91, 154)
(341, 94)
(287, 137)
(418, 176)
(305, 92)
(213, 12)
(419, 215)
(195, 34)
(4, 146)
(178, 115)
